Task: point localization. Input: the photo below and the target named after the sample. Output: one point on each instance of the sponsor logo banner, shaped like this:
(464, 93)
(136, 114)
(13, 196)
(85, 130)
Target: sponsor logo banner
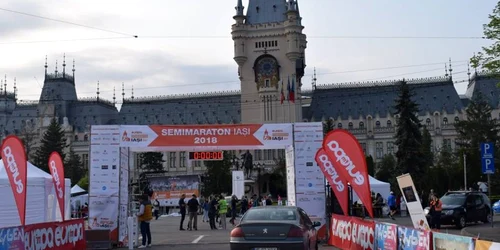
(16, 167)
(386, 236)
(447, 241)
(352, 233)
(57, 171)
(12, 238)
(169, 189)
(206, 135)
(348, 157)
(338, 185)
(412, 201)
(413, 239)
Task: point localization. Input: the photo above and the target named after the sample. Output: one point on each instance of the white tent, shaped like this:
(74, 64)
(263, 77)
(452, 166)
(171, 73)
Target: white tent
(76, 190)
(377, 186)
(41, 201)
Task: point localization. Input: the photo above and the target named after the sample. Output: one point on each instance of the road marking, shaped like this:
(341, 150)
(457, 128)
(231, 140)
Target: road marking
(198, 239)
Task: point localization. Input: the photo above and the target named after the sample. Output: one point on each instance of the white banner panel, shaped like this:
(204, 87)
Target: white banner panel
(410, 196)
(238, 184)
(290, 175)
(309, 180)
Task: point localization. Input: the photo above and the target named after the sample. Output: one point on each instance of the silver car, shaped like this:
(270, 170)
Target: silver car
(275, 228)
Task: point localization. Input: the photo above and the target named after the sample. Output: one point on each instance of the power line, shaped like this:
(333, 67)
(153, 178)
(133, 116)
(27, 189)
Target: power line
(67, 22)
(67, 40)
(330, 37)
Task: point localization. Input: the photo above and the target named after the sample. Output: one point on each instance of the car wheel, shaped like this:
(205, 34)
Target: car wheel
(488, 218)
(461, 223)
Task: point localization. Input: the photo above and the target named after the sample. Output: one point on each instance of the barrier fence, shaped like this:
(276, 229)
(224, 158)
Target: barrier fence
(354, 233)
(68, 234)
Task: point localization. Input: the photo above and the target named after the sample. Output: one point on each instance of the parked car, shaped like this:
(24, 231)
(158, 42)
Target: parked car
(462, 207)
(273, 228)
(496, 207)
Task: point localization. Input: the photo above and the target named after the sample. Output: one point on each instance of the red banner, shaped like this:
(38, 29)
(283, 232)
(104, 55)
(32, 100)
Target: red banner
(55, 235)
(352, 233)
(338, 184)
(57, 171)
(14, 161)
(342, 147)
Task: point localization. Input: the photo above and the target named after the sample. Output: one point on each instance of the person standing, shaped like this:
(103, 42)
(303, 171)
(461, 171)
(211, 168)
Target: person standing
(202, 204)
(145, 216)
(193, 206)
(182, 206)
(212, 210)
(222, 211)
(157, 208)
(244, 205)
(436, 206)
(234, 204)
(391, 201)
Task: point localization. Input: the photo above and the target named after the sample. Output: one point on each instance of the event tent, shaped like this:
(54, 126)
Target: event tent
(41, 201)
(377, 186)
(77, 190)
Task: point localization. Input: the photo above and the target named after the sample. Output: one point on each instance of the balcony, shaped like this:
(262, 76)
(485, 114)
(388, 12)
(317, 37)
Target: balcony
(357, 131)
(384, 130)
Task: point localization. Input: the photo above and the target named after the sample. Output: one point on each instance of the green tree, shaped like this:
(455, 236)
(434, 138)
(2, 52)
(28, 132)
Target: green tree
(479, 127)
(488, 58)
(277, 179)
(446, 174)
(53, 140)
(370, 165)
(426, 150)
(152, 161)
(385, 171)
(217, 178)
(73, 167)
(410, 158)
(84, 181)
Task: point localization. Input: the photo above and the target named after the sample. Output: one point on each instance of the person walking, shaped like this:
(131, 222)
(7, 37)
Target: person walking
(205, 210)
(212, 210)
(244, 205)
(193, 206)
(391, 201)
(222, 211)
(202, 204)
(234, 204)
(182, 206)
(156, 205)
(436, 206)
(145, 216)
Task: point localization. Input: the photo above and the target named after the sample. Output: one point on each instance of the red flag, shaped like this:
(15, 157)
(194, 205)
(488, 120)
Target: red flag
(16, 167)
(57, 171)
(342, 147)
(338, 184)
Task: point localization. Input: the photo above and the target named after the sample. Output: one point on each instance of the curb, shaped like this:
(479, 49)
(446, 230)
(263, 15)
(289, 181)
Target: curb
(466, 232)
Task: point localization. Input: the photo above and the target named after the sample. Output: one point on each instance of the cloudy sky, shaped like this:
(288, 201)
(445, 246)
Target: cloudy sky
(185, 46)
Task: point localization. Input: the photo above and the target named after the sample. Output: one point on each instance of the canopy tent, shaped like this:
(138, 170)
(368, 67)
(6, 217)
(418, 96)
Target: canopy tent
(376, 186)
(77, 190)
(41, 201)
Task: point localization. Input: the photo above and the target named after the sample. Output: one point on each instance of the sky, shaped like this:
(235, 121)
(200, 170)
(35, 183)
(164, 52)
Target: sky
(186, 47)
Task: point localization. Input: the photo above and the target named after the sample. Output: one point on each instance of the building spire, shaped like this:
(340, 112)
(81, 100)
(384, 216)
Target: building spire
(64, 65)
(239, 8)
(46, 66)
(314, 79)
(1, 85)
(98, 91)
(132, 92)
(468, 71)
(450, 69)
(114, 95)
(56, 68)
(73, 69)
(15, 88)
(123, 92)
(445, 70)
(5, 85)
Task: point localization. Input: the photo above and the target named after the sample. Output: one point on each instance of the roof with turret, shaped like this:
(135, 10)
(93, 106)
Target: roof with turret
(266, 11)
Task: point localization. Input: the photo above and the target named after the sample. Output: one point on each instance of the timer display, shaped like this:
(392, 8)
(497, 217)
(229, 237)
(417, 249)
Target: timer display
(206, 156)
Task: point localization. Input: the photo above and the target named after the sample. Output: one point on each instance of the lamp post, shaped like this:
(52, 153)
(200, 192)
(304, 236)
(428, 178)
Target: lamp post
(329, 209)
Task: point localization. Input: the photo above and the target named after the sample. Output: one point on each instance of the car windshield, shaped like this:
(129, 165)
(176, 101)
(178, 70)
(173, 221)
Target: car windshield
(453, 199)
(270, 214)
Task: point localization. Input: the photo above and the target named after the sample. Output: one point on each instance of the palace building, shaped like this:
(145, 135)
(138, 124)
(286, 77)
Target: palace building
(269, 51)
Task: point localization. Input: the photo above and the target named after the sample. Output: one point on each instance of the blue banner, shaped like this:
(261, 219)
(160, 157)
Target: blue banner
(448, 241)
(413, 239)
(11, 238)
(386, 236)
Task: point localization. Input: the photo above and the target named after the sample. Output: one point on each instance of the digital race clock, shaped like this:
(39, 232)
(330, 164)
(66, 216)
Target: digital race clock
(206, 156)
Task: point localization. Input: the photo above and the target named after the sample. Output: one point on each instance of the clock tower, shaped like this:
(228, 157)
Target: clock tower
(269, 49)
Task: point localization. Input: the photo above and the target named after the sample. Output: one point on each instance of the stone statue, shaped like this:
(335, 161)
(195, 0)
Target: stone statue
(247, 163)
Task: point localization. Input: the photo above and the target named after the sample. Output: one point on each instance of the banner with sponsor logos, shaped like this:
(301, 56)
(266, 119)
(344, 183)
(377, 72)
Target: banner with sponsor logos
(443, 241)
(486, 245)
(413, 239)
(68, 234)
(16, 166)
(189, 137)
(124, 196)
(57, 171)
(352, 233)
(386, 236)
(349, 159)
(338, 185)
(412, 201)
(168, 189)
(290, 176)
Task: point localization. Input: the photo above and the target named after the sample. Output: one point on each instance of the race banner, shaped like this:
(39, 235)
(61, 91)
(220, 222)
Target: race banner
(352, 233)
(486, 245)
(386, 236)
(12, 238)
(57, 171)
(413, 239)
(16, 166)
(252, 136)
(338, 185)
(68, 234)
(412, 201)
(443, 241)
(350, 162)
(168, 189)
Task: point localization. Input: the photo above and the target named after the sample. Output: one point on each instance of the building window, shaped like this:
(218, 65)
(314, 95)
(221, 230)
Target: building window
(350, 125)
(379, 150)
(447, 144)
(182, 158)
(377, 124)
(445, 121)
(361, 125)
(363, 146)
(389, 124)
(85, 161)
(258, 155)
(428, 121)
(85, 137)
(171, 159)
(339, 125)
(268, 83)
(457, 119)
(197, 164)
(76, 137)
(390, 147)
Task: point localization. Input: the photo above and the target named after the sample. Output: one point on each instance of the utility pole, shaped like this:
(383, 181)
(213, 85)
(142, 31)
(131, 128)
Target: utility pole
(465, 171)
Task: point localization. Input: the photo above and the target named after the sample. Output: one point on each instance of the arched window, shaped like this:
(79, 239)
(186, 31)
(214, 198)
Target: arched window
(361, 125)
(457, 119)
(377, 124)
(85, 137)
(445, 121)
(339, 125)
(389, 123)
(76, 137)
(428, 121)
(350, 125)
